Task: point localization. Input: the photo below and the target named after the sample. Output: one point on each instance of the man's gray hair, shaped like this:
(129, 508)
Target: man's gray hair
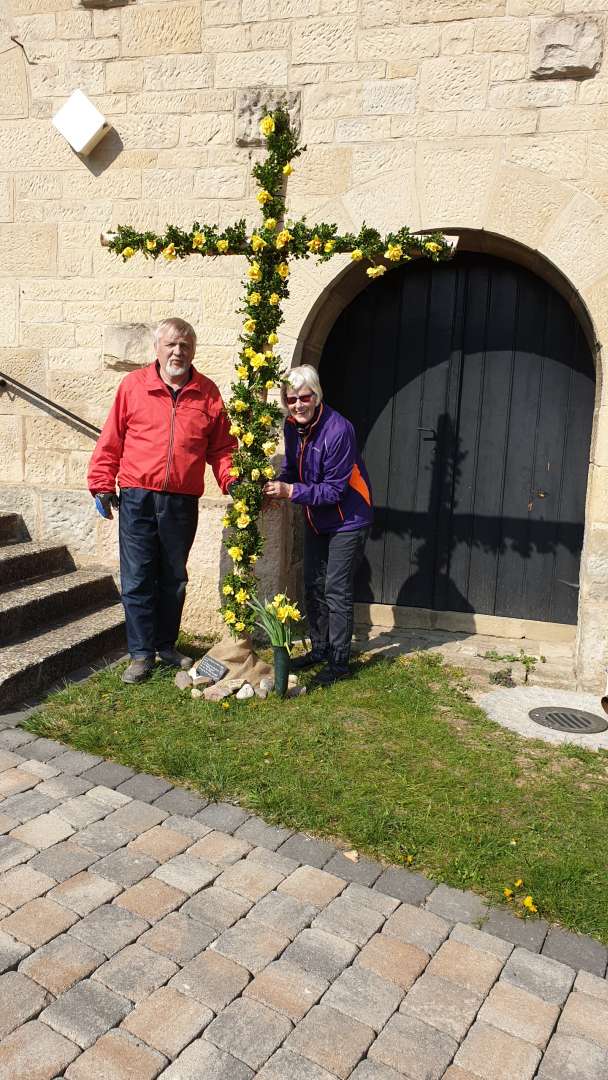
(305, 375)
(180, 325)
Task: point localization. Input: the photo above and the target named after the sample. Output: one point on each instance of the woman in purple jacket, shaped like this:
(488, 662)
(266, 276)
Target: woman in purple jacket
(324, 473)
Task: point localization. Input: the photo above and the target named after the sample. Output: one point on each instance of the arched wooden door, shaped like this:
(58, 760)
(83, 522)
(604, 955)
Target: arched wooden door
(471, 388)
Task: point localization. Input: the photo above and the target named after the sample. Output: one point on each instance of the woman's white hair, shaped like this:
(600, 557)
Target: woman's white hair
(305, 375)
(180, 325)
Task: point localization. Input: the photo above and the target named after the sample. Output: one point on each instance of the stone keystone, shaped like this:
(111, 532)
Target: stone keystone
(565, 48)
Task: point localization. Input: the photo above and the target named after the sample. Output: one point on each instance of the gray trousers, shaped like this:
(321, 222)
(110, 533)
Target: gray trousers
(330, 564)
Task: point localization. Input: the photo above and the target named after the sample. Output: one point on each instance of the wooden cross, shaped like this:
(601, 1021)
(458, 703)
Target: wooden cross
(255, 420)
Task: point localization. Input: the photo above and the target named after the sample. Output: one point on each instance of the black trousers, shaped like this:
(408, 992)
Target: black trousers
(156, 531)
(330, 564)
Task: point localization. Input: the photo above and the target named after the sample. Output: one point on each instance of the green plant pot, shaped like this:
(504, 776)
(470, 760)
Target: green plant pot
(281, 670)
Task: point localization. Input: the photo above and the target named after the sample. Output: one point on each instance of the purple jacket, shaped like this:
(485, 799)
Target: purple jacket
(328, 475)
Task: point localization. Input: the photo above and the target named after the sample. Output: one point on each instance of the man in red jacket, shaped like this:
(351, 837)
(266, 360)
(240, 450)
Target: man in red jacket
(166, 423)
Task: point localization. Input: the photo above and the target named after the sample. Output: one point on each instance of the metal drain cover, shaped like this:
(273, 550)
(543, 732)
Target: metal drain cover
(574, 720)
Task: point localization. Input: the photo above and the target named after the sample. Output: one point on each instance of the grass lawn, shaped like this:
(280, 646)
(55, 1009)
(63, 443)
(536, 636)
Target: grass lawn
(396, 761)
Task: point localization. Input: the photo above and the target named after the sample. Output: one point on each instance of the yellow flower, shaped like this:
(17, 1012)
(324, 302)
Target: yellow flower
(234, 471)
(270, 223)
(254, 273)
(375, 271)
(169, 252)
(240, 626)
(287, 169)
(128, 252)
(263, 197)
(240, 406)
(198, 240)
(293, 613)
(242, 596)
(268, 472)
(151, 245)
(529, 905)
(243, 521)
(255, 474)
(247, 438)
(394, 252)
(257, 243)
(253, 559)
(282, 239)
(278, 599)
(254, 298)
(269, 384)
(249, 352)
(266, 126)
(242, 371)
(266, 420)
(329, 246)
(249, 326)
(314, 244)
(229, 616)
(241, 506)
(282, 613)
(409, 859)
(273, 338)
(508, 894)
(236, 553)
(269, 448)
(235, 429)
(432, 246)
(258, 360)
(225, 704)
(283, 270)
(222, 245)
(518, 884)
(227, 590)
(356, 255)
(225, 521)
(274, 299)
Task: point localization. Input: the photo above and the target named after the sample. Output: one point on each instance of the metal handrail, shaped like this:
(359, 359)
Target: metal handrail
(50, 407)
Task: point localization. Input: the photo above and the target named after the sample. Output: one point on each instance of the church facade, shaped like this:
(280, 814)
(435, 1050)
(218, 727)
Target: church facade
(476, 386)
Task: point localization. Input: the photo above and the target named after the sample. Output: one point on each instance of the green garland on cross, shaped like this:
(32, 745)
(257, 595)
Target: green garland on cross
(255, 420)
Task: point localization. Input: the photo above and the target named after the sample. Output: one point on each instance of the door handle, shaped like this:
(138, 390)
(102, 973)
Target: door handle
(433, 434)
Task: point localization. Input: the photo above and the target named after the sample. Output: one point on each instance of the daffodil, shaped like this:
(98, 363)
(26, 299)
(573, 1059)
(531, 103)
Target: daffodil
(394, 252)
(198, 240)
(128, 252)
(235, 553)
(277, 599)
(314, 244)
(242, 371)
(508, 894)
(234, 471)
(248, 438)
(254, 298)
(257, 242)
(240, 626)
(282, 613)
(225, 704)
(249, 352)
(266, 420)
(249, 326)
(229, 616)
(287, 169)
(356, 255)
(268, 472)
(283, 270)
(242, 596)
(227, 590)
(151, 245)
(329, 246)
(241, 506)
(273, 338)
(258, 360)
(270, 223)
(528, 903)
(255, 474)
(266, 126)
(269, 384)
(263, 197)
(432, 246)
(274, 299)
(240, 405)
(518, 884)
(375, 271)
(168, 253)
(235, 429)
(222, 245)
(268, 448)
(282, 239)
(243, 521)
(253, 559)
(254, 273)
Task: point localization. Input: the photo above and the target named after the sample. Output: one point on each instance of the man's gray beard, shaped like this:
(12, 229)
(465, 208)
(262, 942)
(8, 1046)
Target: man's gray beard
(174, 369)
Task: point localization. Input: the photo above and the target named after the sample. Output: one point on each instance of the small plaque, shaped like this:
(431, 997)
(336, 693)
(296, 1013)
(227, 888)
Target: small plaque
(211, 669)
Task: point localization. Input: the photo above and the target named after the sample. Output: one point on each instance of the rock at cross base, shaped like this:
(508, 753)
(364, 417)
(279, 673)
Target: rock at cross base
(261, 693)
(182, 680)
(267, 683)
(217, 692)
(196, 693)
(243, 663)
(245, 693)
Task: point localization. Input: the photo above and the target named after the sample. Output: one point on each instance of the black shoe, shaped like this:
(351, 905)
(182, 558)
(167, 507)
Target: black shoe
(310, 659)
(327, 676)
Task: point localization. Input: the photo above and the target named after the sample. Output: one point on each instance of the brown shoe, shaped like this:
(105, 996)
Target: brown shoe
(138, 670)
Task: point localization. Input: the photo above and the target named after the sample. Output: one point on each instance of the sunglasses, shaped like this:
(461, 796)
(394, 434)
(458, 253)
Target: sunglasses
(304, 398)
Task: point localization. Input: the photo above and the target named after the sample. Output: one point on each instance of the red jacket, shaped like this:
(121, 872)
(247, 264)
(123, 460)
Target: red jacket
(152, 441)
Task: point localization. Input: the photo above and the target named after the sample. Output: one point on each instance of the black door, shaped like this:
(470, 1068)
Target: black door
(471, 388)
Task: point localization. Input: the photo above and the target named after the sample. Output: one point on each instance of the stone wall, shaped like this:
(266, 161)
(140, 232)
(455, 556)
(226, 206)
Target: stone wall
(452, 114)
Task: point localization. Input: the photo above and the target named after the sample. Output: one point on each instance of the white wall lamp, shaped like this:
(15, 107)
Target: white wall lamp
(81, 123)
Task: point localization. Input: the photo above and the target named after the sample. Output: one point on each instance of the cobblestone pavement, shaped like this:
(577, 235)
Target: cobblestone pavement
(145, 933)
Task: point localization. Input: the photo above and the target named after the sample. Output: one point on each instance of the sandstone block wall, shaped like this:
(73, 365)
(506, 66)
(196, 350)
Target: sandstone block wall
(456, 114)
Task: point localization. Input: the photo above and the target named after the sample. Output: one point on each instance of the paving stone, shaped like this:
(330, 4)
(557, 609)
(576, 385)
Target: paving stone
(22, 884)
(579, 952)
(102, 838)
(332, 1040)
(456, 1073)
(125, 867)
(585, 1017)
(456, 905)
(376, 901)
(404, 885)
(365, 871)
(478, 939)
(321, 953)
(15, 780)
(417, 927)
(220, 848)
(212, 979)
(44, 749)
(35, 1052)
(136, 817)
(117, 1056)
(160, 843)
(84, 892)
(437, 1002)
(144, 787)
(405, 1038)
(312, 886)
(394, 960)
(203, 1060)
(539, 975)
(283, 913)
(109, 929)
(217, 907)
(570, 1058)
(63, 861)
(352, 921)
(186, 873)
(520, 1014)
(373, 1070)
(529, 933)
(249, 1031)
(364, 996)
(287, 989)
(592, 985)
(223, 816)
(135, 972)
(43, 832)
(168, 1021)
(256, 832)
(14, 737)
(273, 861)
(13, 852)
(11, 952)
(27, 805)
(85, 1012)
(178, 937)
(151, 899)
(187, 826)
(39, 769)
(181, 801)
(81, 811)
(108, 774)
(20, 1000)
(38, 921)
(9, 760)
(108, 797)
(74, 762)
(495, 1055)
(7, 824)
(474, 969)
(287, 1064)
(64, 787)
(308, 850)
(249, 879)
(250, 944)
(61, 963)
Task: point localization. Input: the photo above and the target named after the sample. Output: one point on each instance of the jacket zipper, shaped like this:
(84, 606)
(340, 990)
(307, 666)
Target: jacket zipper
(171, 441)
(308, 513)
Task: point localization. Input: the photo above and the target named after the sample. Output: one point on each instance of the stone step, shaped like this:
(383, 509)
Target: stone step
(24, 610)
(12, 529)
(22, 562)
(29, 667)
